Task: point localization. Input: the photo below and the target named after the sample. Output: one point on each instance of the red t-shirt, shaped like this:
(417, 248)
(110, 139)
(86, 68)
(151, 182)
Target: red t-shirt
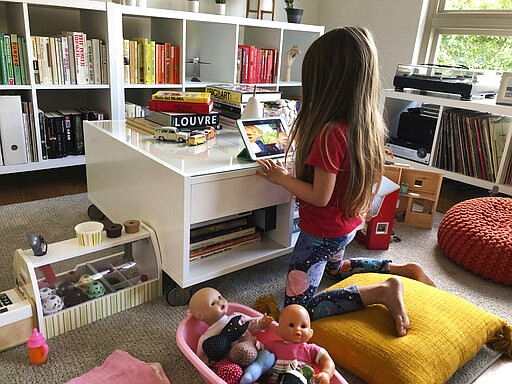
(329, 221)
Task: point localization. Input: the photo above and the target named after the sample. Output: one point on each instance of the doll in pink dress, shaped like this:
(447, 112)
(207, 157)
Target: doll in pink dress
(291, 348)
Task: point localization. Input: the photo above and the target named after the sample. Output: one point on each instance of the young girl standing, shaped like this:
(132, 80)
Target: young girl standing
(339, 161)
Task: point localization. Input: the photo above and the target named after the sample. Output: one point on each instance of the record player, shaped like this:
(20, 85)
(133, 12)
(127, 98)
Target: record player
(445, 79)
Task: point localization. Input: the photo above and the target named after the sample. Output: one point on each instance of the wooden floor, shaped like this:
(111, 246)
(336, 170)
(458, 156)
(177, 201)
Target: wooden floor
(28, 186)
(36, 185)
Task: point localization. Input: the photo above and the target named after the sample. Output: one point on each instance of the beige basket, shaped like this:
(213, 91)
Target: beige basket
(89, 233)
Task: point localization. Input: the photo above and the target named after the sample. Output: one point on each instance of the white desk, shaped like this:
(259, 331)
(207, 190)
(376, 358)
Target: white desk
(173, 187)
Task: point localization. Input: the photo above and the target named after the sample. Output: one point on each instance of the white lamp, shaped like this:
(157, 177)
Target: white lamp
(253, 109)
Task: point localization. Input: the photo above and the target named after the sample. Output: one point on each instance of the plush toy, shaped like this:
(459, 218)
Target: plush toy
(296, 375)
(229, 336)
(291, 349)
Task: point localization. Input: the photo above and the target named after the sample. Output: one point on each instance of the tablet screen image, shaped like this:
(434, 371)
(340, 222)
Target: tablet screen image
(264, 137)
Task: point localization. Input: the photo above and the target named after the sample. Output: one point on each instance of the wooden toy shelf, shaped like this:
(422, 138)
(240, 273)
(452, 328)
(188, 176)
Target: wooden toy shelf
(128, 268)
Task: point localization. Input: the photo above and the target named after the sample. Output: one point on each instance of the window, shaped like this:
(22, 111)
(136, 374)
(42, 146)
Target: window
(472, 33)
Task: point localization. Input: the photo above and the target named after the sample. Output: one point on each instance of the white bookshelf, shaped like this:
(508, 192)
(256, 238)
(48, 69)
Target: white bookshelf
(213, 38)
(397, 101)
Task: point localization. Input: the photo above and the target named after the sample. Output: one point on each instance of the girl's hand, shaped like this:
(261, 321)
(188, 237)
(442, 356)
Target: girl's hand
(271, 171)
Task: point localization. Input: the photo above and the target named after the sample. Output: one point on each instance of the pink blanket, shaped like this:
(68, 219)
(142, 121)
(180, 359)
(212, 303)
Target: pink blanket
(121, 368)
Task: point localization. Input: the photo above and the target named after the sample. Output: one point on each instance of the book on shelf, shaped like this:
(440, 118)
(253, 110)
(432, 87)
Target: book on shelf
(75, 130)
(79, 48)
(22, 45)
(8, 60)
(215, 249)
(499, 127)
(188, 97)
(133, 110)
(28, 113)
(147, 61)
(219, 226)
(175, 61)
(4, 77)
(220, 236)
(95, 62)
(16, 60)
(54, 131)
(53, 60)
(66, 60)
(184, 121)
(256, 65)
(241, 93)
(179, 106)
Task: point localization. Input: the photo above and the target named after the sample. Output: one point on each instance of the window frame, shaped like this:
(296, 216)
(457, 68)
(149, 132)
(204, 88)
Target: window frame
(438, 21)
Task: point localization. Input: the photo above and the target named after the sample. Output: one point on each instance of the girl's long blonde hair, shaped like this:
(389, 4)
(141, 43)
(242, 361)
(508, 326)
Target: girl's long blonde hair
(340, 80)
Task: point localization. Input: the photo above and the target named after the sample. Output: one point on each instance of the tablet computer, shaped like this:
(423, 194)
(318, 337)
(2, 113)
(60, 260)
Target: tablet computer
(264, 137)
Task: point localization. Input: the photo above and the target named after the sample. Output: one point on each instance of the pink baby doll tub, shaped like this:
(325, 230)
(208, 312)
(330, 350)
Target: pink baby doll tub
(190, 330)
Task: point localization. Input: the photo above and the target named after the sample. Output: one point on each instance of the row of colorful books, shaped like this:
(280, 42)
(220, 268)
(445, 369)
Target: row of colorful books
(71, 58)
(150, 62)
(13, 60)
(62, 131)
(213, 239)
(256, 65)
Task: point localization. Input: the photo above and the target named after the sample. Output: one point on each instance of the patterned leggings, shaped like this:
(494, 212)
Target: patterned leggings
(309, 259)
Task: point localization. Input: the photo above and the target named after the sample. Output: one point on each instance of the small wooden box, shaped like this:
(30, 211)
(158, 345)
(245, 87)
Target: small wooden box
(419, 194)
(16, 320)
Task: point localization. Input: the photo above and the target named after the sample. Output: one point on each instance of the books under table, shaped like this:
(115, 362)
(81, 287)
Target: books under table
(224, 246)
(222, 235)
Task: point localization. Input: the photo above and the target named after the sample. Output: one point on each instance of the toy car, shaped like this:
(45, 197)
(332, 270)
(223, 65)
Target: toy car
(170, 133)
(196, 138)
(209, 132)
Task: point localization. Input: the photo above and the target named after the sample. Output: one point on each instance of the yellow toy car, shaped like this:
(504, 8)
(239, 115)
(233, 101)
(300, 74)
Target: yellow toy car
(196, 138)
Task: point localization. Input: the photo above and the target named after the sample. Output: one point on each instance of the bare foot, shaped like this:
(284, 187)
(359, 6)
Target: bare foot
(388, 293)
(394, 302)
(413, 271)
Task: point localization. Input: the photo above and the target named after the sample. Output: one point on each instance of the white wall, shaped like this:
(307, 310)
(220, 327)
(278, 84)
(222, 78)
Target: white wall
(394, 24)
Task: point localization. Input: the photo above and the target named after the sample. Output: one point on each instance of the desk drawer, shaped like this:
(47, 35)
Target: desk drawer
(219, 198)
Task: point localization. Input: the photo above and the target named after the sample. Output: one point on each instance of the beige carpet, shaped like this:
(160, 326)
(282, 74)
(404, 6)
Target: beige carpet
(148, 331)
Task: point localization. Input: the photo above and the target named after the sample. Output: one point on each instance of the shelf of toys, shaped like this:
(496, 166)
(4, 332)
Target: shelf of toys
(73, 285)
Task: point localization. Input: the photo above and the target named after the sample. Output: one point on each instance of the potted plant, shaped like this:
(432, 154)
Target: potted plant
(294, 15)
(220, 7)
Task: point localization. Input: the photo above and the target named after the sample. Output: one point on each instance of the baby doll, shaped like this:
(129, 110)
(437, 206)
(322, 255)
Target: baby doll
(291, 347)
(229, 335)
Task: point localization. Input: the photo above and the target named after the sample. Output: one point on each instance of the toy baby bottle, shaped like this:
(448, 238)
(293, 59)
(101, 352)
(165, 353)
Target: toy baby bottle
(37, 348)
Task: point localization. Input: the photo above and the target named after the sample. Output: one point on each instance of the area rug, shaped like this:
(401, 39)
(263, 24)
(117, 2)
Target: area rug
(148, 332)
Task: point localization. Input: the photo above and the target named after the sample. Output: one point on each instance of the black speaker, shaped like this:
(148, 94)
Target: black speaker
(416, 127)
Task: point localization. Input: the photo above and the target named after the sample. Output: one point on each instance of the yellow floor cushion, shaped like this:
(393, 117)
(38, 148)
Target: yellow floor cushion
(446, 331)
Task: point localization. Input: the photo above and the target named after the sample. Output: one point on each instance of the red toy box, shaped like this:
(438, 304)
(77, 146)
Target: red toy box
(377, 231)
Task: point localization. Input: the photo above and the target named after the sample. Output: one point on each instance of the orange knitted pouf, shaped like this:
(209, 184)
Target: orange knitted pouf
(477, 234)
